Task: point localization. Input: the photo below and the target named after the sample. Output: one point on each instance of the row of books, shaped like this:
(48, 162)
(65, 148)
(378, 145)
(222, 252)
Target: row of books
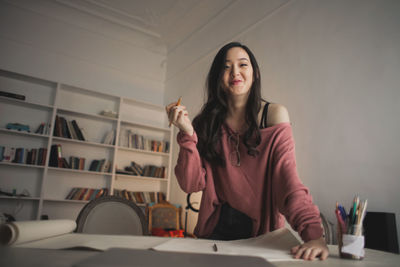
(77, 163)
(34, 156)
(43, 128)
(81, 193)
(147, 170)
(67, 129)
(140, 197)
(100, 165)
(137, 141)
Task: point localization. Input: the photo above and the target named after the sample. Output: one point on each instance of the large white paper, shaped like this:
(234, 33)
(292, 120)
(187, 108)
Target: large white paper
(97, 242)
(273, 246)
(15, 233)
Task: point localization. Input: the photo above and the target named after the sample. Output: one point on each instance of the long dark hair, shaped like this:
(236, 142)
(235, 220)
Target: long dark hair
(208, 122)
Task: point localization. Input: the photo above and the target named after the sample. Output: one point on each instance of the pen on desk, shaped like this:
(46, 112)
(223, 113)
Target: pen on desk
(215, 248)
(178, 103)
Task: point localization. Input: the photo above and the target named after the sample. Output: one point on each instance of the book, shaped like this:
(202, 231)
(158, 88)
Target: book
(55, 155)
(2, 148)
(72, 130)
(40, 128)
(109, 139)
(9, 154)
(78, 130)
(12, 95)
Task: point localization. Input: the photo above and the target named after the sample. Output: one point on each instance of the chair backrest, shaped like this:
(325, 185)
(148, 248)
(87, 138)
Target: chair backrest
(113, 216)
(163, 215)
(329, 234)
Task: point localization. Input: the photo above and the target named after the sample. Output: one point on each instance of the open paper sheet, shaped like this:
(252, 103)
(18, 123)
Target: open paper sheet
(57, 234)
(273, 246)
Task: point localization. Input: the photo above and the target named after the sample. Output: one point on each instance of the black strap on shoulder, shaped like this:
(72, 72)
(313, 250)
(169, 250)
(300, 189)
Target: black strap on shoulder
(263, 122)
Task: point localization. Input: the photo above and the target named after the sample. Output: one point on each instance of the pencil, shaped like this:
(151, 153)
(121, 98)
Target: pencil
(178, 103)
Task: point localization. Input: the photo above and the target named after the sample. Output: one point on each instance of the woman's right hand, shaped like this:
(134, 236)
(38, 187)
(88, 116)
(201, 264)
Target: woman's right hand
(178, 116)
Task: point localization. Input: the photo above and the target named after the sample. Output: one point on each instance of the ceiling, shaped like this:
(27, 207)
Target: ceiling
(170, 20)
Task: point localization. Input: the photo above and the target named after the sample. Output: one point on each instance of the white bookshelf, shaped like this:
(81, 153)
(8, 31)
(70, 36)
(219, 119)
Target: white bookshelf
(49, 186)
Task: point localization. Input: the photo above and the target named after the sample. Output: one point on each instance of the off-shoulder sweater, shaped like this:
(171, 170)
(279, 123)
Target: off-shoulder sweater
(265, 187)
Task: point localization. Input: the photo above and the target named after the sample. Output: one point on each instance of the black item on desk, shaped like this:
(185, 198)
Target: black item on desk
(381, 232)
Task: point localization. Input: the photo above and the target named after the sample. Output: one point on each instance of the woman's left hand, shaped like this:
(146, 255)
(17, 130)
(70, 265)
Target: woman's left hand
(311, 249)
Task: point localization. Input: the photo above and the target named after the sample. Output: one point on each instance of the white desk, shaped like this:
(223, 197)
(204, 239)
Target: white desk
(43, 257)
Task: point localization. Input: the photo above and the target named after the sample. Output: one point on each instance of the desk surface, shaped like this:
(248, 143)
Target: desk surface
(22, 257)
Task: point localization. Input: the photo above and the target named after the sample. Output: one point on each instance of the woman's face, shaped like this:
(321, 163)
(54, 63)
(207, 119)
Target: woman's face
(238, 72)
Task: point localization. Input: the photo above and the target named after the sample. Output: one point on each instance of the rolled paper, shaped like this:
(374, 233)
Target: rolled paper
(15, 233)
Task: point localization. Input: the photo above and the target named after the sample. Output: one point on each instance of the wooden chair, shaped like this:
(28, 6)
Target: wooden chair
(163, 215)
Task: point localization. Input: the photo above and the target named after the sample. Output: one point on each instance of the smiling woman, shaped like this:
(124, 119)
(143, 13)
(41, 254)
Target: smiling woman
(242, 158)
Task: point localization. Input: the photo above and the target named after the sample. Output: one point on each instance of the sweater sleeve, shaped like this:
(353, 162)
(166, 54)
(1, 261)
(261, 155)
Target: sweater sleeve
(189, 171)
(291, 196)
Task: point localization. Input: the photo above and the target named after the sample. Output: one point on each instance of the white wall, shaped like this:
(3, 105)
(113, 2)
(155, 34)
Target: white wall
(335, 65)
(45, 39)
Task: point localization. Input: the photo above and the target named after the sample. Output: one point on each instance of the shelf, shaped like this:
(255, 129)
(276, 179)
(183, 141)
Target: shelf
(85, 115)
(145, 178)
(85, 106)
(81, 142)
(66, 200)
(144, 151)
(79, 171)
(25, 103)
(21, 165)
(20, 198)
(76, 201)
(147, 126)
(3, 130)
(129, 101)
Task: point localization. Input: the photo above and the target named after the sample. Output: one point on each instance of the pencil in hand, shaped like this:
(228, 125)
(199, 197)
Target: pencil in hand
(178, 103)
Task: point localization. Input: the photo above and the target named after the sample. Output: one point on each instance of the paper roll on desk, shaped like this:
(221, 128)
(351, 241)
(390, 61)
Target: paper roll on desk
(15, 233)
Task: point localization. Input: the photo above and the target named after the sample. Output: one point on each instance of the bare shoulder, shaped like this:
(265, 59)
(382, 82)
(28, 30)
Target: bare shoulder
(277, 113)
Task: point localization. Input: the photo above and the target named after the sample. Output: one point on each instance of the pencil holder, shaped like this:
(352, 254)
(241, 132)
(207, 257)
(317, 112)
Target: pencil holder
(351, 246)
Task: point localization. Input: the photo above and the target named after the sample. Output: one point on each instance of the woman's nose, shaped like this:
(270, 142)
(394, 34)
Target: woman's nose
(234, 72)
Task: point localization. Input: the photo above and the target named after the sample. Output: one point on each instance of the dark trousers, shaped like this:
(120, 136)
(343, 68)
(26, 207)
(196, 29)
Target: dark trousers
(232, 225)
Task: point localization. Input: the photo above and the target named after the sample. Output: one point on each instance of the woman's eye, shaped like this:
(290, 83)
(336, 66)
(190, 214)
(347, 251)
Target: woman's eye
(227, 66)
(243, 65)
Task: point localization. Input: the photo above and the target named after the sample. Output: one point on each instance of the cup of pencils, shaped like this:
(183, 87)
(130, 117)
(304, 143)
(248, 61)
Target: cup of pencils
(350, 230)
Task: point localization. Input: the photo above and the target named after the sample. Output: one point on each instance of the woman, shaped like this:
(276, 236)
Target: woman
(240, 152)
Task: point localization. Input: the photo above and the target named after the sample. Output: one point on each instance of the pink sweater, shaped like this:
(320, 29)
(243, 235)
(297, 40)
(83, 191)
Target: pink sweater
(263, 187)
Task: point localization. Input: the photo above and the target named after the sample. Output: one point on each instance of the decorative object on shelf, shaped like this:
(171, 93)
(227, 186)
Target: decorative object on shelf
(18, 127)
(109, 113)
(24, 193)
